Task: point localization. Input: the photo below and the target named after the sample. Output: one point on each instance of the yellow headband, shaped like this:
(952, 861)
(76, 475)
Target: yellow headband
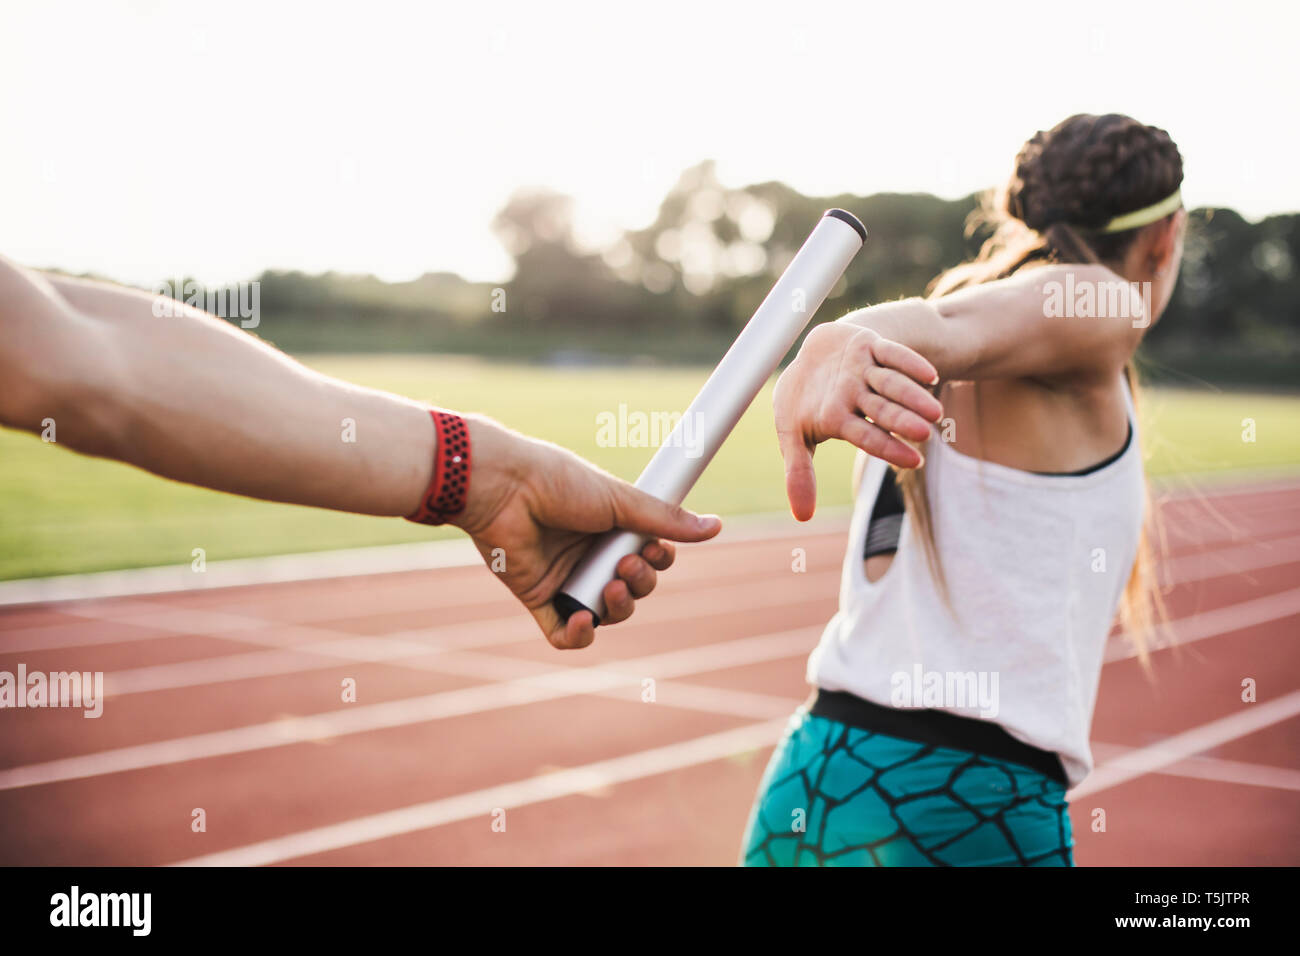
(1144, 217)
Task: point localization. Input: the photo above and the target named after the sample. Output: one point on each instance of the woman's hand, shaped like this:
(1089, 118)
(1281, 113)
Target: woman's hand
(533, 510)
(849, 382)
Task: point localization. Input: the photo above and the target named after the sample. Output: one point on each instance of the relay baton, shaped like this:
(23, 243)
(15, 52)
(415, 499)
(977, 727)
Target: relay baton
(739, 377)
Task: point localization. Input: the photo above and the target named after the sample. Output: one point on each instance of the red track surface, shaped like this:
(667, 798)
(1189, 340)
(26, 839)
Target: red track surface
(474, 713)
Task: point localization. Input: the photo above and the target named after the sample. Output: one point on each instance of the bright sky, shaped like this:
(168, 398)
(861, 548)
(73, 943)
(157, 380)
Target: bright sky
(146, 140)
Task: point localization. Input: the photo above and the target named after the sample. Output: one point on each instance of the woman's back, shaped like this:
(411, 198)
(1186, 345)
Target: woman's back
(1034, 567)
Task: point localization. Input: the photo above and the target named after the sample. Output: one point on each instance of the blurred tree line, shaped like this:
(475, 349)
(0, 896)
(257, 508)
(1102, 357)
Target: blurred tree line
(682, 287)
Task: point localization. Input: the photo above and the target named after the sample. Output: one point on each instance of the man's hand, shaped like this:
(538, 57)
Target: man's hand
(848, 382)
(541, 506)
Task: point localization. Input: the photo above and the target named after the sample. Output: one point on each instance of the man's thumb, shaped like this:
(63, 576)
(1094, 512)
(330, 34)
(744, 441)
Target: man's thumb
(634, 510)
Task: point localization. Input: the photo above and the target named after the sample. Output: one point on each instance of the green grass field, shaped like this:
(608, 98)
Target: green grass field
(61, 512)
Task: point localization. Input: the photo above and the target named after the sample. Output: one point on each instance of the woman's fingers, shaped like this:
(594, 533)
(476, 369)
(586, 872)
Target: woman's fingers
(874, 440)
(904, 391)
(800, 477)
(892, 417)
(908, 361)
(892, 391)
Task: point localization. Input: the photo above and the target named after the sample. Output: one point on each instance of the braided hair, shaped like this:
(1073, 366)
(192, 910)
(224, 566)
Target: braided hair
(1067, 183)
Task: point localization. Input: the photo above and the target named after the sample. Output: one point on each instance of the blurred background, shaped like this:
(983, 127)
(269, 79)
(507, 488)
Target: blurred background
(570, 192)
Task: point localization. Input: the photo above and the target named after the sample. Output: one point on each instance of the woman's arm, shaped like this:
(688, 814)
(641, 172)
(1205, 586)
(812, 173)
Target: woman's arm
(191, 398)
(1014, 328)
(866, 378)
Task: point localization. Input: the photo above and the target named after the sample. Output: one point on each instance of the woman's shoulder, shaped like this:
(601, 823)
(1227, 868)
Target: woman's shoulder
(1057, 323)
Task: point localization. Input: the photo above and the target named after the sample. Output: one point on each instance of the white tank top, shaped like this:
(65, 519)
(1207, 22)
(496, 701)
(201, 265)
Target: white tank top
(1035, 566)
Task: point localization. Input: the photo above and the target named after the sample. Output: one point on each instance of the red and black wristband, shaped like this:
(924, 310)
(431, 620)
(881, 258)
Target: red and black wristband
(449, 487)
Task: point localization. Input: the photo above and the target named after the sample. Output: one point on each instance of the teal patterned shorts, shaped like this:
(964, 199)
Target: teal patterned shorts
(835, 795)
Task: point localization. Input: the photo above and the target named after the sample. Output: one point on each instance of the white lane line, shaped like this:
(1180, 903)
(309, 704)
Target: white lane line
(1215, 623)
(240, 572)
(345, 648)
(518, 682)
(665, 665)
(214, 670)
(346, 563)
(1231, 559)
(459, 552)
(679, 756)
(310, 640)
(1223, 483)
(295, 658)
(520, 793)
(399, 713)
(401, 650)
(1186, 535)
(1172, 750)
(421, 650)
(156, 621)
(1215, 769)
(163, 621)
(1183, 538)
(515, 628)
(712, 700)
(173, 622)
(325, 652)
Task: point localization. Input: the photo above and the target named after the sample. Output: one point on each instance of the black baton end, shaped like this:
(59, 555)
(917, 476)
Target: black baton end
(845, 216)
(568, 606)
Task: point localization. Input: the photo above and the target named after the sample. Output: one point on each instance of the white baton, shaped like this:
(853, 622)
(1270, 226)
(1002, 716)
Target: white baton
(739, 377)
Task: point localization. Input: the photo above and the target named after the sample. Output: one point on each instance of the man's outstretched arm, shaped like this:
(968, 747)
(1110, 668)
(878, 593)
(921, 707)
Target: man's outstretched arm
(191, 398)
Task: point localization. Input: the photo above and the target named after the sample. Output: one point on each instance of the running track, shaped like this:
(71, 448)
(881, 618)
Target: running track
(229, 700)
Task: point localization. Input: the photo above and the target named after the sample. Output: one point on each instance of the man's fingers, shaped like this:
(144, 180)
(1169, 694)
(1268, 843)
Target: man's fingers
(637, 574)
(897, 387)
(636, 579)
(660, 554)
(911, 363)
(634, 510)
(874, 440)
(800, 477)
(618, 602)
(574, 633)
(579, 632)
